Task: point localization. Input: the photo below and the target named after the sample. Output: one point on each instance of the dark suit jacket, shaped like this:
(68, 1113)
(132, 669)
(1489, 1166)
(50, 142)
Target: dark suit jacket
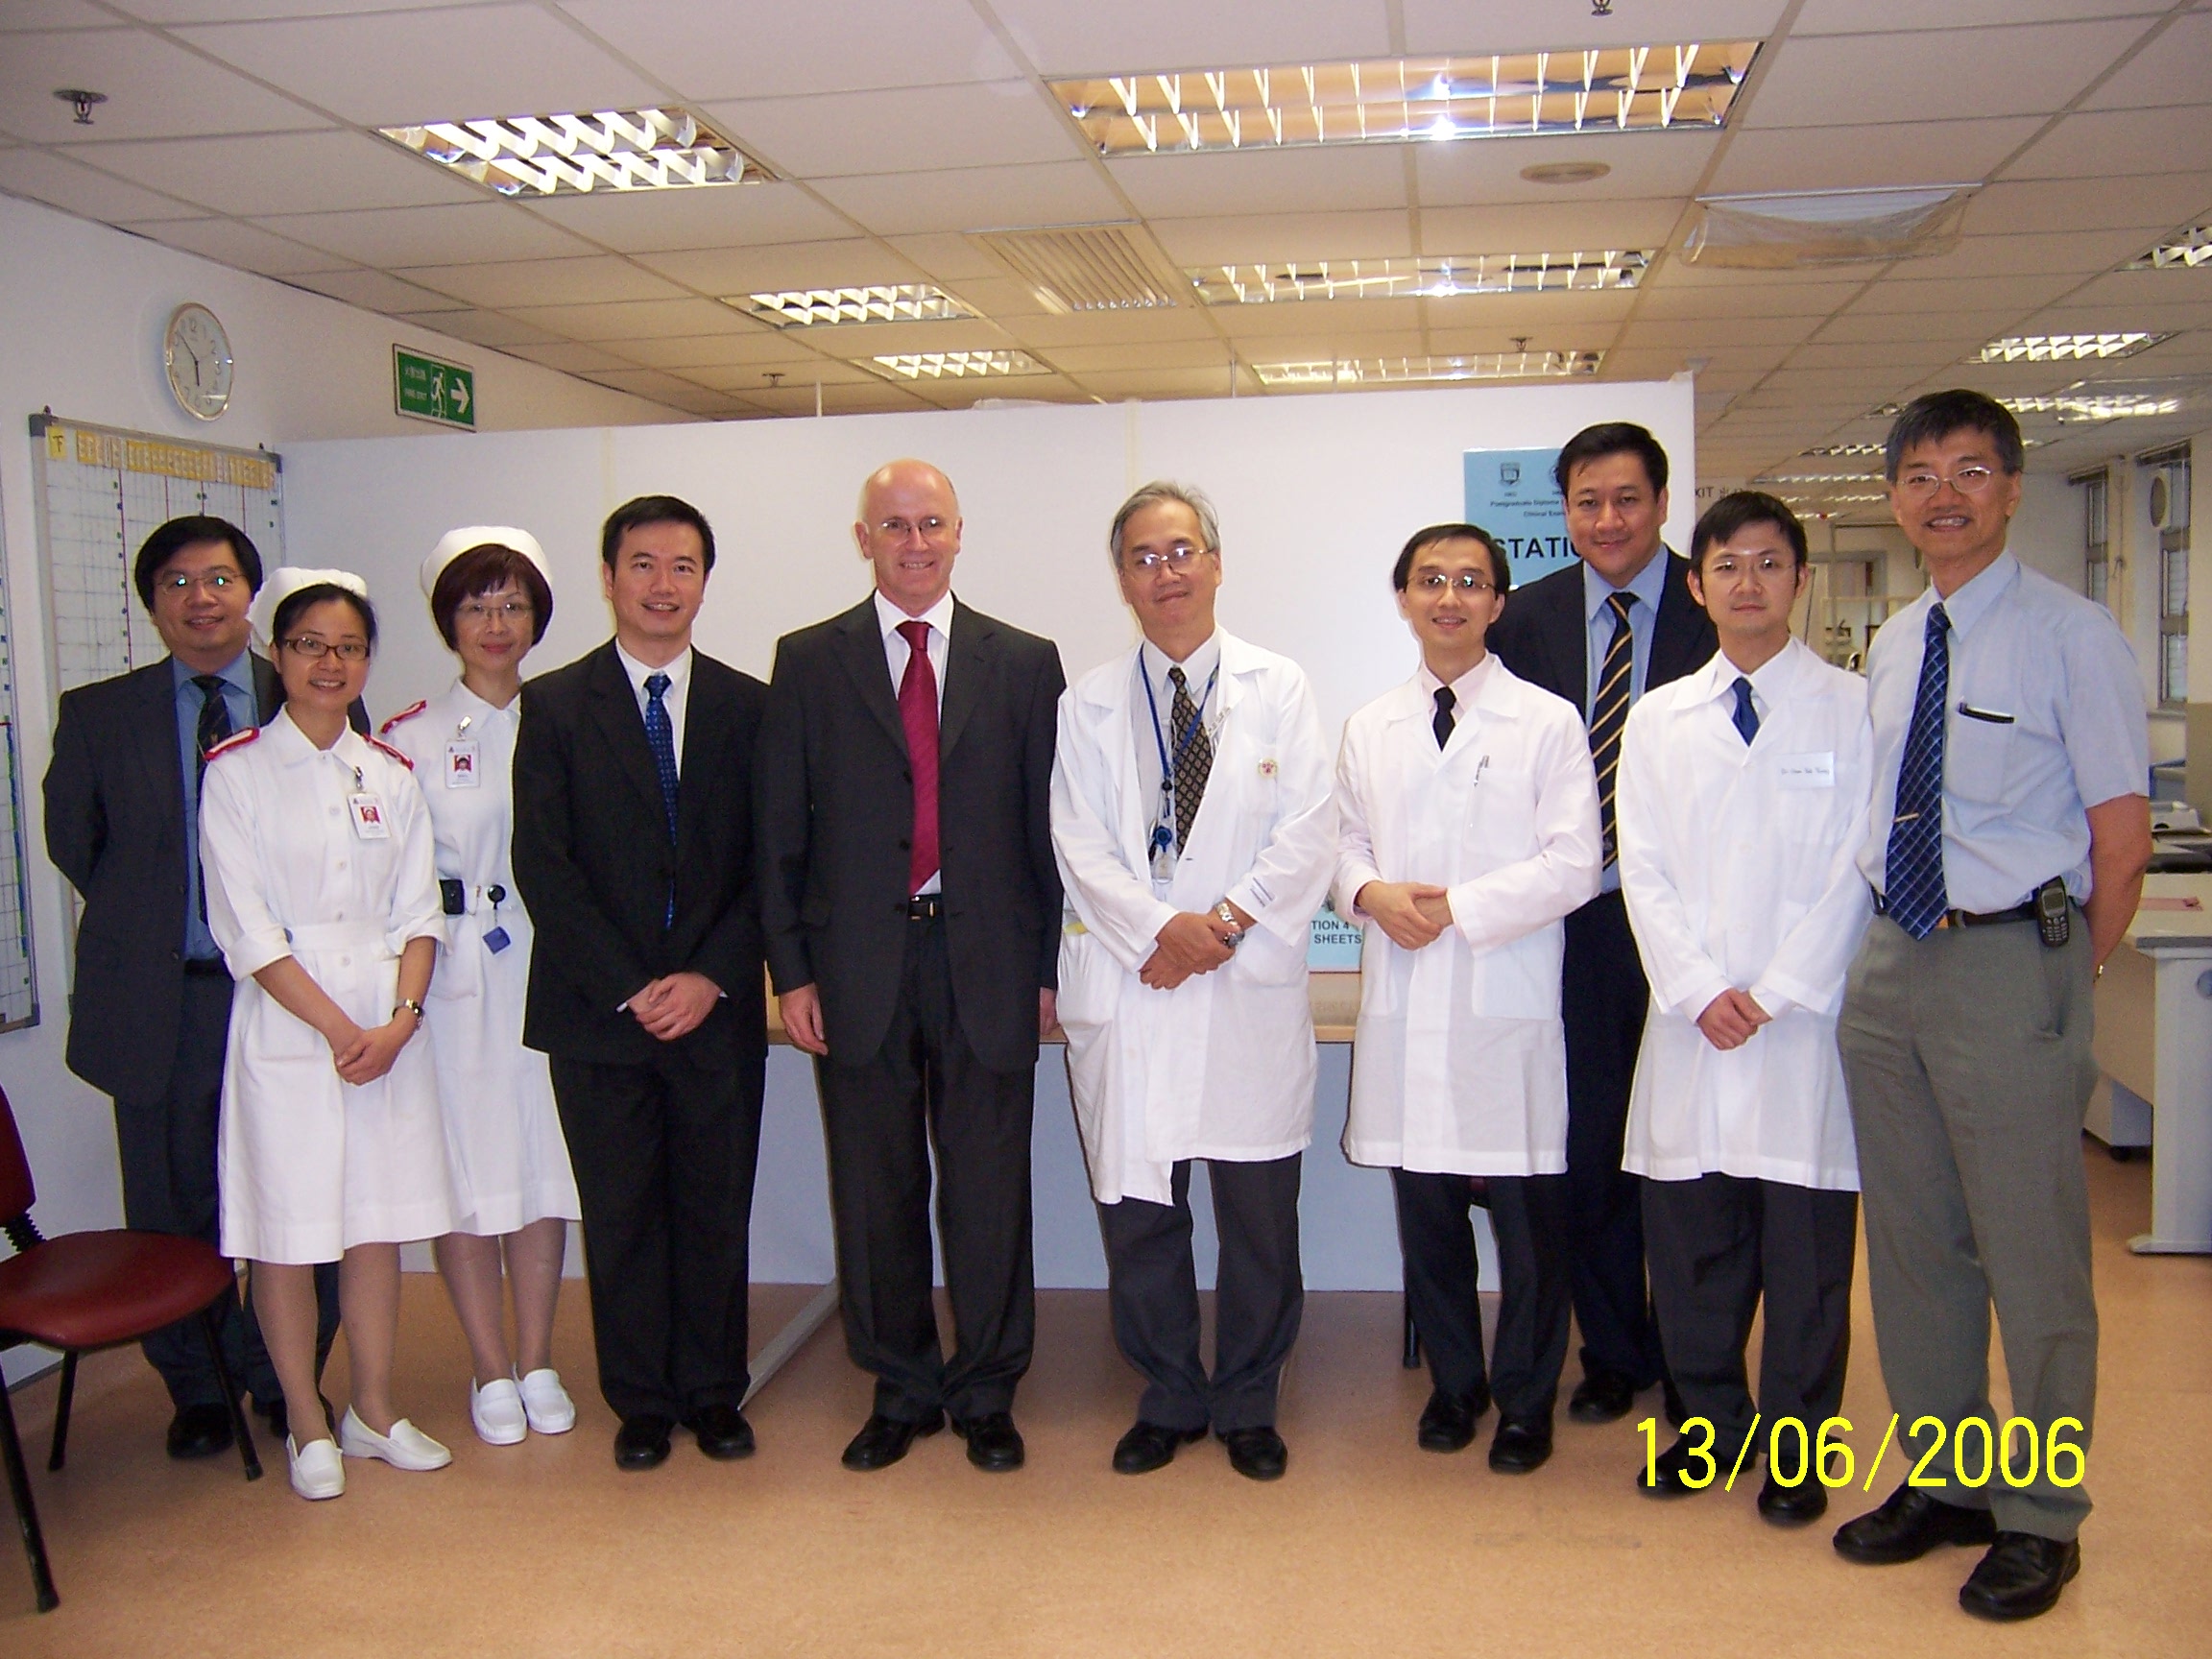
(836, 815)
(115, 827)
(1543, 634)
(594, 860)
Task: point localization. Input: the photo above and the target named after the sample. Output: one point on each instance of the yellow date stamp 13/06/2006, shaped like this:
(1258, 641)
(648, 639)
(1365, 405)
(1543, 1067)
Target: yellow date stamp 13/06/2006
(2020, 1453)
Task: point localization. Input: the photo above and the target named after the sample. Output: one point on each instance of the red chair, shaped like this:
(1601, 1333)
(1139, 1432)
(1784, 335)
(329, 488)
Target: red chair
(89, 1290)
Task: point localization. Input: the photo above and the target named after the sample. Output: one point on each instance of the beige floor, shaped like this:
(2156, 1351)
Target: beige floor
(1368, 1547)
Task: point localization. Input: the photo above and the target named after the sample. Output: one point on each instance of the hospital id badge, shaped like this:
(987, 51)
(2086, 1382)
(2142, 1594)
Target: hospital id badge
(464, 763)
(370, 823)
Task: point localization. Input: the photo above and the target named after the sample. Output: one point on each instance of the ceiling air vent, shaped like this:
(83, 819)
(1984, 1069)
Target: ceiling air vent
(1083, 268)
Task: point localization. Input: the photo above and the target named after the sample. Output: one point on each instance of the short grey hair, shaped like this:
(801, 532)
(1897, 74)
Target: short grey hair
(1157, 494)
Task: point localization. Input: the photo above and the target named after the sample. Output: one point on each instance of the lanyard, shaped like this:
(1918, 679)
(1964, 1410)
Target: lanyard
(1164, 828)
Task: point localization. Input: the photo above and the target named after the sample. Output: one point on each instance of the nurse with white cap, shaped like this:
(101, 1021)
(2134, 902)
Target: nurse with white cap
(514, 1195)
(323, 894)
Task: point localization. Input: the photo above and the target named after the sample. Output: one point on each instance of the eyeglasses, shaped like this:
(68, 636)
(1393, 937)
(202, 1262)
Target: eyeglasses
(1177, 557)
(1765, 566)
(1921, 483)
(309, 646)
(1466, 583)
(206, 582)
(898, 529)
(508, 611)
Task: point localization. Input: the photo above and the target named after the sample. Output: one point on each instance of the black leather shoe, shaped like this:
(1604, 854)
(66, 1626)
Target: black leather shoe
(723, 1431)
(1150, 1446)
(1603, 1397)
(1908, 1525)
(883, 1440)
(1257, 1454)
(1667, 1477)
(1797, 1506)
(1521, 1445)
(199, 1431)
(2021, 1577)
(993, 1443)
(642, 1441)
(1447, 1422)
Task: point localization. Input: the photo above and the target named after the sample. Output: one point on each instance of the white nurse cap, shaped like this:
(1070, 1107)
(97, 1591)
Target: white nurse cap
(286, 580)
(455, 543)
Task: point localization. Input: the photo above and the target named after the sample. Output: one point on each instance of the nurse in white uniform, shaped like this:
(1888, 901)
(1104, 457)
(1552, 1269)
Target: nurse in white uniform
(512, 1192)
(1468, 829)
(322, 892)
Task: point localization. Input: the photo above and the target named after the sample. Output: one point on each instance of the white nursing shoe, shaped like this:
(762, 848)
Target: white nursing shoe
(497, 1411)
(317, 1472)
(550, 1410)
(406, 1447)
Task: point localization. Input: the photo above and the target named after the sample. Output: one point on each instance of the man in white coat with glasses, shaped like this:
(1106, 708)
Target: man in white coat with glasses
(1195, 835)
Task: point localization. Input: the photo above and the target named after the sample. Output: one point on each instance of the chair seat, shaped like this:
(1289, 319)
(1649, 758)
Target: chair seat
(90, 1289)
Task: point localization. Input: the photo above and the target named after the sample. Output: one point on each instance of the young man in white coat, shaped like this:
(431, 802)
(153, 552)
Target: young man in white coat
(1742, 807)
(1467, 812)
(1194, 831)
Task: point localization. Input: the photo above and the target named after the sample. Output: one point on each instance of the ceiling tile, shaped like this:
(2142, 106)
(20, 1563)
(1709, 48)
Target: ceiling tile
(1529, 228)
(62, 182)
(720, 216)
(1083, 360)
(1641, 165)
(1906, 16)
(1584, 309)
(570, 357)
(1918, 358)
(873, 398)
(2170, 70)
(1699, 335)
(484, 328)
(999, 296)
(914, 130)
(1871, 80)
(1960, 328)
(1105, 328)
(545, 281)
(25, 15)
(242, 245)
(634, 319)
(374, 291)
(248, 11)
(394, 236)
(1956, 292)
(2152, 202)
(947, 258)
(1246, 323)
(155, 89)
(642, 382)
(686, 352)
(747, 378)
(831, 46)
(1349, 339)
(2080, 253)
(724, 272)
(1818, 158)
(302, 173)
(392, 68)
(2144, 287)
(2113, 143)
(976, 198)
(854, 341)
(1256, 238)
(1312, 180)
(1145, 34)
(1118, 384)
(1439, 25)
(1781, 300)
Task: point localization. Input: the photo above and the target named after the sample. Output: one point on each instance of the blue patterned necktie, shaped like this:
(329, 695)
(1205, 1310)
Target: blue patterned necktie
(661, 735)
(1912, 873)
(1747, 717)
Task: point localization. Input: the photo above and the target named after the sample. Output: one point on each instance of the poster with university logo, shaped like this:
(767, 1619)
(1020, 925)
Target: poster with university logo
(1510, 493)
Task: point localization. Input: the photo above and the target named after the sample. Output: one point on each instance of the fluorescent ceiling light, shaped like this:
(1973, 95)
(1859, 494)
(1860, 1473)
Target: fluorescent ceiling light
(609, 150)
(820, 307)
(1829, 500)
(2193, 246)
(1424, 278)
(957, 365)
(2082, 404)
(1795, 228)
(1381, 370)
(2057, 347)
(1523, 94)
(1833, 449)
(1822, 478)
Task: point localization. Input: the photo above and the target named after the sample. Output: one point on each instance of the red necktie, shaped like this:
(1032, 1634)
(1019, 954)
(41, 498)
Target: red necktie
(918, 714)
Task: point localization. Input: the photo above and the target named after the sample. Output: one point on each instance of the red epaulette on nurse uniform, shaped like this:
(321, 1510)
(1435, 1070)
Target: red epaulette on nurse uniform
(378, 743)
(408, 713)
(236, 740)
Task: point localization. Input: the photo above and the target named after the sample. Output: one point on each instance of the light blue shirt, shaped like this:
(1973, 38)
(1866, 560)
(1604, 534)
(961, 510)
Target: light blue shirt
(1648, 585)
(2044, 717)
(239, 692)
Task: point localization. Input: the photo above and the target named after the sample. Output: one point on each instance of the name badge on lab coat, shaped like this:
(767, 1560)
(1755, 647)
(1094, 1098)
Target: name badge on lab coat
(1808, 771)
(370, 823)
(464, 765)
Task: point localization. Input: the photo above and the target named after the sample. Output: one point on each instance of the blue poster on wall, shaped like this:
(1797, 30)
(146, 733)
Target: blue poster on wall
(1510, 493)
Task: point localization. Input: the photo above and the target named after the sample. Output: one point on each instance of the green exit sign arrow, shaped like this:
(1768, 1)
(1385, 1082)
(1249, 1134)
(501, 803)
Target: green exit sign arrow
(429, 390)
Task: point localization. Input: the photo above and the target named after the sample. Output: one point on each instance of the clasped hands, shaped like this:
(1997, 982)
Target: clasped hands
(673, 1005)
(1412, 914)
(362, 1056)
(1732, 1020)
(1192, 942)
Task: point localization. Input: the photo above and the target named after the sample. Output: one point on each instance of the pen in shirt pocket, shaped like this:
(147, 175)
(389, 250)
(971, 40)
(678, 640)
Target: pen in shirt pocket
(1989, 714)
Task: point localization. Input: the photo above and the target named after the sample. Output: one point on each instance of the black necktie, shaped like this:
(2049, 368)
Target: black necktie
(1442, 724)
(214, 718)
(1609, 713)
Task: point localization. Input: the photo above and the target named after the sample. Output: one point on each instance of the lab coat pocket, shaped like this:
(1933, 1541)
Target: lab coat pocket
(1091, 981)
(1501, 811)
(1519, 980)
(1264, 959)
(460, 971)
(273, 1033)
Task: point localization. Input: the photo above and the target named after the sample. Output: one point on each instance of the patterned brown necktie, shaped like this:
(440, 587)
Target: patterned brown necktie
(1194, 758)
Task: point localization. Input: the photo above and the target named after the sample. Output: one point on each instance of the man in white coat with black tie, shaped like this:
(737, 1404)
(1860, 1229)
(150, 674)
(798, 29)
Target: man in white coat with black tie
(1467, 812)
(1743, 805)
(1194, 831)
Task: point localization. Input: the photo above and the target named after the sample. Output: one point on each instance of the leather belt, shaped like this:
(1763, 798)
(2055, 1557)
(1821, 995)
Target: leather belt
(207, 968)
(1969, 917)
(924, 906)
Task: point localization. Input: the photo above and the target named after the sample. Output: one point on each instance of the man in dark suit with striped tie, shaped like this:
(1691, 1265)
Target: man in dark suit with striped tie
(1600, 633)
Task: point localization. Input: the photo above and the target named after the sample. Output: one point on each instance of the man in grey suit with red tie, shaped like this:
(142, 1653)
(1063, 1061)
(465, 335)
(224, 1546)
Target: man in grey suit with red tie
(911, 911)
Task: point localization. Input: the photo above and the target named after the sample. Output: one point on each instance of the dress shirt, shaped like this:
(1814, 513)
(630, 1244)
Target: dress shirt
(895, 651)
(237, 678)
(1650, 586)
(2069, 734)
(1152, 665)
(676, 699)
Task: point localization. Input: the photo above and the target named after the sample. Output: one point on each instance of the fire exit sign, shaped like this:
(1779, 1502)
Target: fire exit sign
(429, 390)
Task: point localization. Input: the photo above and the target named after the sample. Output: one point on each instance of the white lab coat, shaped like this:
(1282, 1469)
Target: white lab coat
(1222, 1065)
(504, 1149)
(311, 1164)
(1739, 868)
(1459, 1064)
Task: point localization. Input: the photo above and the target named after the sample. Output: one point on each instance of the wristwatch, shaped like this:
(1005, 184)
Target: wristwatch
(1236, 929)
(412, 1006)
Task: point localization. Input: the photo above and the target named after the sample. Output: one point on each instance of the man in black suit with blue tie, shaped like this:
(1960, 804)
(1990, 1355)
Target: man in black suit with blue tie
(1600, 633)
(634, 851)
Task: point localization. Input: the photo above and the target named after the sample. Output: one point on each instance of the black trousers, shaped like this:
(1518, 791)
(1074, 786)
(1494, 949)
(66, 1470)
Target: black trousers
(1603, 996)
(1528, 1218)
(925, 1088)
(1717, 1243)
(167, 1149)
(664, 1153)
(1260, 1294)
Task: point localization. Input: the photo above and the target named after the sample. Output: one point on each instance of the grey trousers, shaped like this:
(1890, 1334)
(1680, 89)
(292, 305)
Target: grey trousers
(1967, 1059)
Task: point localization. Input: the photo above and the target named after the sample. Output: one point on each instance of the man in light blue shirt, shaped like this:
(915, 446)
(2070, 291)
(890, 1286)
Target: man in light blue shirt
(2009, 837)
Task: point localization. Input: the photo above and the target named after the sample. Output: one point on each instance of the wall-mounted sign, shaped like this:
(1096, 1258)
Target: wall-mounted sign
(429, 390)
(1510, 493)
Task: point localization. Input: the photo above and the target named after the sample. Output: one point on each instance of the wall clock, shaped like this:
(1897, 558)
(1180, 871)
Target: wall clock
(196, 358)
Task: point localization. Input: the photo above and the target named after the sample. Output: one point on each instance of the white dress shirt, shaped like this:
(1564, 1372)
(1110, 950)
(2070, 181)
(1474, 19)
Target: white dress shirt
(676, 699)
(896, 653)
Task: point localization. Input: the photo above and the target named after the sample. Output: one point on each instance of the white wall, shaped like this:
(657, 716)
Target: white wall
(1315, 495)
(81, 310)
